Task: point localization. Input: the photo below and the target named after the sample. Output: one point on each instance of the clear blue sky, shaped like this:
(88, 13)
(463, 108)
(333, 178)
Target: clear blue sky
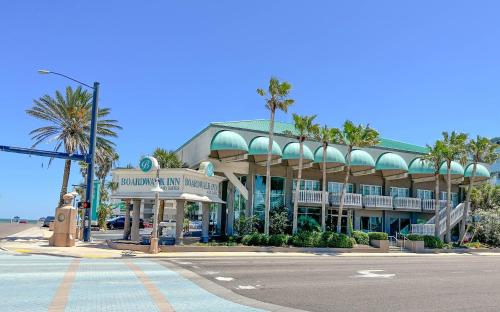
(409, 68)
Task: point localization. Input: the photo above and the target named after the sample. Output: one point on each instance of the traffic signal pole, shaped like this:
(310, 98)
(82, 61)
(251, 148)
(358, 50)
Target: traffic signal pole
(90, 168)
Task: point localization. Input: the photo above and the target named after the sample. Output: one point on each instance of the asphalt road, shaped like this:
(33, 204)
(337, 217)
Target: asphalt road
(329, 283)
(7, 229)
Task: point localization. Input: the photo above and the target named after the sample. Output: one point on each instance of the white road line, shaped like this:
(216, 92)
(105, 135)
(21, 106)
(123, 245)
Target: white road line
(246, 287)
(224, 279)
(370, 273)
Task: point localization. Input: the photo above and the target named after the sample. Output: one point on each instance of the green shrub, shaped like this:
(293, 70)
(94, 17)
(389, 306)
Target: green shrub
(378, 236)
(432, 242)
(308, 224)
(246, 239)
(278, 221)
(278, 240)
(306, 239)
(361, 238)
(329, 239)
(475, 245)
(255, 239)
(415, 237)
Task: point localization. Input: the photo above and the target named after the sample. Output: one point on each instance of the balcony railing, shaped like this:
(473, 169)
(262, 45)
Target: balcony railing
(350, 199)
(377, 201)
(407, 203)
(428, 205)
(309, 197)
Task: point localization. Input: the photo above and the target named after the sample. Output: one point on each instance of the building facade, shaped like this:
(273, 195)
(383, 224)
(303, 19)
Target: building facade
(389, 190)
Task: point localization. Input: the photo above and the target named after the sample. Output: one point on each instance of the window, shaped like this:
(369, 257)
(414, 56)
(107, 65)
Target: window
(371, 224)
(336, 187)
(277, 194)
(312, 212)
(425, 194)
(400, 192)
(239, 204)
(371, 189)
(308, 185)
(454, 197)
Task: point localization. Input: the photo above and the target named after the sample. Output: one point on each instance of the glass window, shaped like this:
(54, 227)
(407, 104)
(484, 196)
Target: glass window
(425, 194)
(336, 187)
(371, 224)
(454, 197)
(400, 192)
(240, 203)
(371, 189)
(277, 194)
(308, 185)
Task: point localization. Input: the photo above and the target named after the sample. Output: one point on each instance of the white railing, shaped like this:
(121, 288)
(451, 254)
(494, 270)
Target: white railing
(350, 199)
(428, 205)
(377, 201)
(309, 197)
(422, 229)
(407, 203)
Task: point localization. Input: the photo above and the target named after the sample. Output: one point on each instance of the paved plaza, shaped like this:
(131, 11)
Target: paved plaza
(47, 283)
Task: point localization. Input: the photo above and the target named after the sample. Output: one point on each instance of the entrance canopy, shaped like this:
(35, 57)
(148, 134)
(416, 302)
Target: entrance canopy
(182, 184)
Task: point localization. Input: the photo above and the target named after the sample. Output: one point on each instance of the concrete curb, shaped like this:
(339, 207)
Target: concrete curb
(223, 292)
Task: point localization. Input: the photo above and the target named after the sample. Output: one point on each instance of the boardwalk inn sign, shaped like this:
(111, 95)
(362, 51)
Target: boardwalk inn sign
(134, 186)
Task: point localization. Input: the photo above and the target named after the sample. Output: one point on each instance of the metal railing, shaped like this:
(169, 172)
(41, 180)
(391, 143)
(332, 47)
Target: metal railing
(408, 203)
(311, 197)
(350, 199)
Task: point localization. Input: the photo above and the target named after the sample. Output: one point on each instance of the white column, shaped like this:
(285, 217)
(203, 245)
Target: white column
(135, 220)
(179, 221)
(142, 209)
(205, 207)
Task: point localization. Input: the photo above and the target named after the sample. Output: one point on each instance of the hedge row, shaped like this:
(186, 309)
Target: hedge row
(377, 236)
(301, 239)
(361, 238)
(429, 240)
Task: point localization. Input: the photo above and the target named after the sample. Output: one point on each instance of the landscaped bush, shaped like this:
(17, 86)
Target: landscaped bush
(361, 238)
(475, 245)
(255, 239)
(306, 239)
(278, 240)
(429, 240)
(378, 236)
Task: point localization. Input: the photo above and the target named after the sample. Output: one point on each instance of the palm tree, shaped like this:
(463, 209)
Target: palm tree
(326, 136)
(167, 159)
(353, 136)
(435, 158)
(69, 118)
(276, 99)
(304, 127)
(104, 165)
(480, 150)
(453, 149)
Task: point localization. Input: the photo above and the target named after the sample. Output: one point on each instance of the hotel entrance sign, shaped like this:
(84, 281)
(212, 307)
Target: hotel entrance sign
(147, 163)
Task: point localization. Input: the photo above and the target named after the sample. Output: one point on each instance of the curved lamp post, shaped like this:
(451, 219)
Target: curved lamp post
(90, 157)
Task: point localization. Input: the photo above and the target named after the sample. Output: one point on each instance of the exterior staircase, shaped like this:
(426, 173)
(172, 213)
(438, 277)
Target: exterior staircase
(428, 228)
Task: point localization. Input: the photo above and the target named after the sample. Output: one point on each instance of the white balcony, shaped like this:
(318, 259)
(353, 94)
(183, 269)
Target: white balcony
(377, 201)
(407, 203)
(428, 205)
(310, 197)
(350, 200)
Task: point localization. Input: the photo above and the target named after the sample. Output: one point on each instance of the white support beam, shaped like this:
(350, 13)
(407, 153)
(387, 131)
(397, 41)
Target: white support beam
(305, 166)
(237, 183)
(363, 172)
(273, 162)
(422, 180)
(336, 169)
(396, 177)
(235, 158)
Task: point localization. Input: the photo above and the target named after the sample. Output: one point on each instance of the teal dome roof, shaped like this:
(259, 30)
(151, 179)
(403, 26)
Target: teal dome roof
(481, 171)
(391, 161)
(417, 166)
(360, 158)
(456, 169)
(228, 141)
(333, 155)
(259, 146)
(291, 151)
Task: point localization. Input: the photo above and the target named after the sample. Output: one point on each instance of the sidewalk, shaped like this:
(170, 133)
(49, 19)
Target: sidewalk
(36, 241)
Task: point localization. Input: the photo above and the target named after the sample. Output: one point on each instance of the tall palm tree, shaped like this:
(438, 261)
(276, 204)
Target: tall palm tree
(453, 150)
(167, 159)
(304, 128)
(435, 158)
(277, 98)
(104, 165)
(480, 150)
(326, 136)
(69, 118)
(353, 136)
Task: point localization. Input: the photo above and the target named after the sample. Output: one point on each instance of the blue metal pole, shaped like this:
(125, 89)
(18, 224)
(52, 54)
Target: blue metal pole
(90, 162)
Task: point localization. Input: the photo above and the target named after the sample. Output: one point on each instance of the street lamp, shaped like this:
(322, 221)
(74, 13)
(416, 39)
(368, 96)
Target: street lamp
(91, 152)
(153, 246)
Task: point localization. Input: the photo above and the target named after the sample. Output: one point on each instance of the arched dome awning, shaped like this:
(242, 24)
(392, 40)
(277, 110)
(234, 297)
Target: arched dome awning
(391, 164)
(258, 149)
(291, 153)
(226, 144)
(419, 168)
(361, 160)
(457, 171)
(482, 174)
(334, 157)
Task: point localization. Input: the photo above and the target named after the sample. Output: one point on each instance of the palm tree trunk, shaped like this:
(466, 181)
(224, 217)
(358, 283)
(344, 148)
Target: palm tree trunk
(297, 189)
(437, 206)
(448, 207)
(64, 187)
(323, 199)
(342, 193)
(267, 206)
(463, 225)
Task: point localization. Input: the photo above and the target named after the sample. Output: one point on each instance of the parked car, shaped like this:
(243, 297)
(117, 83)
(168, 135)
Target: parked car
(47, 221)
(23, 221)
(119, 223)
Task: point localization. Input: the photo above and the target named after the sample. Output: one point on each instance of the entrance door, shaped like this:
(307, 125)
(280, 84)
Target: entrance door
(399, 225)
